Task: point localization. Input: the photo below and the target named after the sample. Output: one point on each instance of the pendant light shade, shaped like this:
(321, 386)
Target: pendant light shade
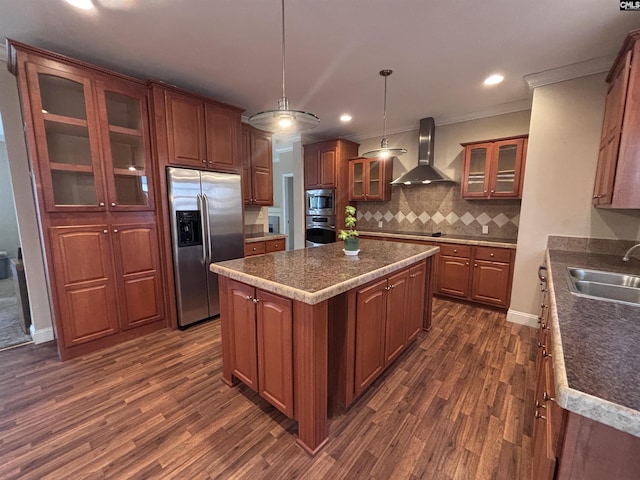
(384, 151)
(284, 119)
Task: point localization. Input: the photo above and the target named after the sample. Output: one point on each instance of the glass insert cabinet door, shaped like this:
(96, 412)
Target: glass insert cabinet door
(125, 145)
(508, 168)
(66, 138)
(357, 179)
(477, 162)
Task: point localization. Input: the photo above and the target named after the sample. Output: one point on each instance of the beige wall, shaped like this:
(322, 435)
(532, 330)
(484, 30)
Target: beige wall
(448, 152)
(9, 238)
(566, 119)
(42, 328)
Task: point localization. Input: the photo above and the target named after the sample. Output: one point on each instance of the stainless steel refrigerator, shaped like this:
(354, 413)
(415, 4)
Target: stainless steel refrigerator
(206, 227)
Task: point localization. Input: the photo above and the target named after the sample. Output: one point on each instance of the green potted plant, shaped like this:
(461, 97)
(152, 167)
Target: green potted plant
(350, 235)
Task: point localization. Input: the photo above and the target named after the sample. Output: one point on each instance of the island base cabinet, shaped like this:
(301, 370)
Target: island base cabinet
(257, 331)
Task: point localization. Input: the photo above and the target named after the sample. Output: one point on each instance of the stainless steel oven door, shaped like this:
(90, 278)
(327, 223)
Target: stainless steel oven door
(321, 202)
(320, 235)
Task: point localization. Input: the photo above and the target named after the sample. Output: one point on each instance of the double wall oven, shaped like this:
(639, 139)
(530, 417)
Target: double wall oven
(321, 217)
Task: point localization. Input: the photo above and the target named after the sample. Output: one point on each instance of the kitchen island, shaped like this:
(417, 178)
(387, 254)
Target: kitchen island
(310, 329)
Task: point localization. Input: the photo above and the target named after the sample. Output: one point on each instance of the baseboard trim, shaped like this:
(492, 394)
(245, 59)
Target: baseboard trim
(522, 318)
(41, 336)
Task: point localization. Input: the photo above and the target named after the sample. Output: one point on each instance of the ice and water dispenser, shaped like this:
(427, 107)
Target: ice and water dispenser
(189, 228)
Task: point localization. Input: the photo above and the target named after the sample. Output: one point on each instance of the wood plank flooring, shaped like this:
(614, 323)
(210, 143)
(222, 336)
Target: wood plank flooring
(456, 405)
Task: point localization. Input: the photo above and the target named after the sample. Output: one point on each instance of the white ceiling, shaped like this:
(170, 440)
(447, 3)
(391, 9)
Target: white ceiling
(440, 50)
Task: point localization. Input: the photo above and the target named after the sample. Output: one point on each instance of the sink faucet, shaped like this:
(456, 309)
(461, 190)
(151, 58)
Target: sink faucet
(626, 255)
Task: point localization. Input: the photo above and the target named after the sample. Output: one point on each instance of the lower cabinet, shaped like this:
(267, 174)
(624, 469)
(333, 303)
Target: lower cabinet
(261, 336)
(387, 317)
(268, 246)
(107, 279)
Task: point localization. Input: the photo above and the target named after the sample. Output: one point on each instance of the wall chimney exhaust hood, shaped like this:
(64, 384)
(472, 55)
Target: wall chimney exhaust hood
(425, 173)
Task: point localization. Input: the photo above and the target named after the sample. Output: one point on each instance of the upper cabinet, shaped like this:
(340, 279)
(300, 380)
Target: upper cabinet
(618, 170)
(200, 133)
(257, 166)
(494, 168)
(370, 179)
(91, 135)
(325, 162)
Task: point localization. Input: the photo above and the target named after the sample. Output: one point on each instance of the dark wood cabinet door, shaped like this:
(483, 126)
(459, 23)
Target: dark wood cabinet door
(397, 312)
(311, 167)
(124, 128)
(371, 312)
(84, 283)
(185, 130)
(453, 276)
(247, 190)
(222, 126)
(275, 350)
(415, 301)
(243, 332)
(64, 121)
(490, 282)
(327, 166)
(611, 132)
(135, 248)
(262, 170)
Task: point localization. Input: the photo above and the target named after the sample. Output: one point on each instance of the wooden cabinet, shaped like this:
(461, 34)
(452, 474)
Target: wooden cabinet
(257, 166)
(267, 246)
(113, 285)
(88, 135)
(91, 137)
(387, 317)
(261, 337)
(454, 270)
(200, 133)
(494, 168)
(370, 179)
(325, 162)
(618, 171)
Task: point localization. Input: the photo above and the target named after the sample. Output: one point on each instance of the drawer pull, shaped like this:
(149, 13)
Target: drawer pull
(412, 275)
(546, 397)
(255, 300)
(455, 250)
(491, 255)
(546, 354)
(540, 405)
(254, 249)
(537, 415)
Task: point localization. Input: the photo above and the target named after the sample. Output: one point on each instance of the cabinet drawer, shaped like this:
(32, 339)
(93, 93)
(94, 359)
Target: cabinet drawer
(455, 250)
(254, 248)
(274, 245)
(493, 254)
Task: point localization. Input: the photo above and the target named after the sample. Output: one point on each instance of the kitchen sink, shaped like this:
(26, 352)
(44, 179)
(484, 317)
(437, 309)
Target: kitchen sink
(610, 286)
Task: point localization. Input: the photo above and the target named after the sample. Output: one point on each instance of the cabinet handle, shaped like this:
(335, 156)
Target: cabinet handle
(537, 415)
(387, 288)
(204, 160)
(276, 246)
(455, 250)
(492, 255)
(105, 231)
(113, 204)
(485, 192)
(255, 300)
(249, 297)
(254, 249)
(540, 405)
(540, 276)
(539, 319)
(101, 204)
(541, 345)
(543, 306)
(115, 230)
(475, 264)
(597, 196)
(412, 275)
(546, 397)
(493, 191)
(546, 354)
(467, 264)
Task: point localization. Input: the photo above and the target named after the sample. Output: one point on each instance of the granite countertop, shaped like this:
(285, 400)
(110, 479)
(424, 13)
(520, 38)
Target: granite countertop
(312, 275)
(483, 241)
(262, 236)
(596, 344)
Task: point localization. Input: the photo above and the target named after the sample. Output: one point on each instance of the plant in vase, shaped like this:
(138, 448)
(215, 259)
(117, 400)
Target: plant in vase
(350, 235)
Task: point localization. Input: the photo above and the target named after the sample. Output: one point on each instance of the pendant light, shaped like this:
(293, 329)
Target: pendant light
(384, 151)
(284, 119)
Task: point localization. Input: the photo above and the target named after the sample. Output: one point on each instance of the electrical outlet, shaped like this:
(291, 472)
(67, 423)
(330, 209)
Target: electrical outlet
(380, 224)
(260, 214)
(485, 229)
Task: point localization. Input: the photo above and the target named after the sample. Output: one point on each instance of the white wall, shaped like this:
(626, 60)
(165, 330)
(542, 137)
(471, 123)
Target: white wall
(448, 152)
(566, 120)
(9, 238)
(42, 328)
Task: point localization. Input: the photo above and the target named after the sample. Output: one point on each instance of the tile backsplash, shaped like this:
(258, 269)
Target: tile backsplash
(439, 208)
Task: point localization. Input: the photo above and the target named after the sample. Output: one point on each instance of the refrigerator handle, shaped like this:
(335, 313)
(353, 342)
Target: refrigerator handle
(205, 202)
(205, 234)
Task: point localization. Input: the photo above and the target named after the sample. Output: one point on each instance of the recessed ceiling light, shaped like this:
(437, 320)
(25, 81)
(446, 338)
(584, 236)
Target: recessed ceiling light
(345, 117)
(494, 79)
(83, 4)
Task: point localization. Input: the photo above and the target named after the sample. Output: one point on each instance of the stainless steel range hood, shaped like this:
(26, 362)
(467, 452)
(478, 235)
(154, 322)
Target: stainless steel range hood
(425, 172)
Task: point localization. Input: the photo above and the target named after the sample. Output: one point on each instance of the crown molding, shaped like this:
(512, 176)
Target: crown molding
(492, 111)
(569, 72)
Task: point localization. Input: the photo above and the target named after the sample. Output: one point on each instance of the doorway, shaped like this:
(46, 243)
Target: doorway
(15, 317)
(288, 218)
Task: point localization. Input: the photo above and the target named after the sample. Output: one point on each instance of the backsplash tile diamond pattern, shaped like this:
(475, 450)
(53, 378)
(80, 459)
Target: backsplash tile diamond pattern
(439, 208)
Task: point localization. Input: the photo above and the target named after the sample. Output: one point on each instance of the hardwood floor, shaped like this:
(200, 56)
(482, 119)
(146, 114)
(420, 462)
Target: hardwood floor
(455, 405)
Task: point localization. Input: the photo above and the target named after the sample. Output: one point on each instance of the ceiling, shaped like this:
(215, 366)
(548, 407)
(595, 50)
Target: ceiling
(230, 50)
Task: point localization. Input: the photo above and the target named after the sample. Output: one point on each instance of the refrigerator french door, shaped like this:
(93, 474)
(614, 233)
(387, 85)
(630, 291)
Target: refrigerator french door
(206, 227)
